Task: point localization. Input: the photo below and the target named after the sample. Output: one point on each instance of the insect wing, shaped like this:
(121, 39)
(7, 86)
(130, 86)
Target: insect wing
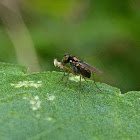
(91, 68)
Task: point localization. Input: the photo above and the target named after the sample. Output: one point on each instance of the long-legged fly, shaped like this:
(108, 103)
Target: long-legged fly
(77, 67)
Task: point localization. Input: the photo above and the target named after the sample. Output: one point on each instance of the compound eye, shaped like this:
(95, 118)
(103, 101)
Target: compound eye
(66, 55)
(65, 58)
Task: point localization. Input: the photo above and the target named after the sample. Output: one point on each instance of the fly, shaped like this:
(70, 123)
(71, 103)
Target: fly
(77, 67)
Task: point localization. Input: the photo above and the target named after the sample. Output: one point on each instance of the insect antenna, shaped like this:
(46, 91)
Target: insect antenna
(60, 53)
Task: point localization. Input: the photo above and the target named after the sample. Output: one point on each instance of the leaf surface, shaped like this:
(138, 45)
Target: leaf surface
(35, 107)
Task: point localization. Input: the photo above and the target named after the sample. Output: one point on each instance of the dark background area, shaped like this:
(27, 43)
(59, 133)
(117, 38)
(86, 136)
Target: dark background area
(103, 33)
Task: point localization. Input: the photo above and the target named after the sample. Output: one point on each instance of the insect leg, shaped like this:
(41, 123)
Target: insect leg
(64, 70)
(66, 81)
(80, 88)
(85, 79)
(95, 83)
(62, 77)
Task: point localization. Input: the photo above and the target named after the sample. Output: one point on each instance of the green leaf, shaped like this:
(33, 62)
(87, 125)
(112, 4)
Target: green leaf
(35, 107)
(12, 69)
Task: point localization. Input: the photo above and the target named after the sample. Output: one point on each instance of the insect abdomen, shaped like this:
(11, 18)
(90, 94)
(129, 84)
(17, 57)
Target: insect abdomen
(78, 69)
(85, 72)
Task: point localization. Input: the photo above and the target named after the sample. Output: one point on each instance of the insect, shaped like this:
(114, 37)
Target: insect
(77, 67)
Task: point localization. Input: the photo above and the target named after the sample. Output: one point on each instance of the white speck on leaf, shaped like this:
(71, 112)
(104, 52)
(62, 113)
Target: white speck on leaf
(27, 84)
(38, 116)
(36, 98)
(24, 98)
(32, 102)
(75, 78)
(35, 103)
(51, 98)
(48, 118)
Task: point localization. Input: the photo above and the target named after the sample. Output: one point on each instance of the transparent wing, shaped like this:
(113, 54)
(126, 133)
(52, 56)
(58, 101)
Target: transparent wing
(91, 68)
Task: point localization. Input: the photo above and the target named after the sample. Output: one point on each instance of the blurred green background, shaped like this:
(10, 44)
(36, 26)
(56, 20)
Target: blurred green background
(104, 33)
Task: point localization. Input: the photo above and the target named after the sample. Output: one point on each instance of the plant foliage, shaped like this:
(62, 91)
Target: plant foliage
(35, 107)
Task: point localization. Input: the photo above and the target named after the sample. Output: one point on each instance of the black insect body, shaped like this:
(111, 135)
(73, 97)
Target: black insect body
(77, 67)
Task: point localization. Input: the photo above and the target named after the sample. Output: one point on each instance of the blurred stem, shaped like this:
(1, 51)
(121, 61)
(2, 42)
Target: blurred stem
(19, 35)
